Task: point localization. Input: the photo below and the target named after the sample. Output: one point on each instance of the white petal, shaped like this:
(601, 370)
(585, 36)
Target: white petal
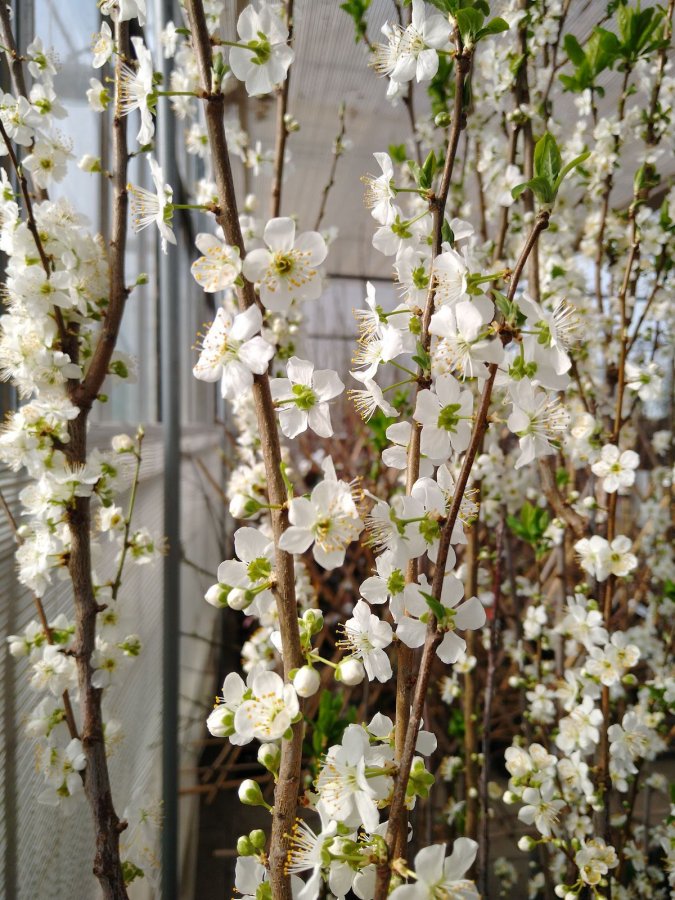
(279, 234)
(470, 615)
(296, 540)
(319, 420)
(300, 371)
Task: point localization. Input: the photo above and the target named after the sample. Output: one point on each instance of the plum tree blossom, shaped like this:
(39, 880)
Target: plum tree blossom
(302, 398)
(464, 344)
(602, 559)
(616, 469)
(328, 521)
(444, 416)
(219, 266)
(366, 636)
(149, 208)
(537, 420)
(262, 57)
(287, 270)
(137, 91)
(233, 351)
(268, 714)
(414, 52)
(247, 581)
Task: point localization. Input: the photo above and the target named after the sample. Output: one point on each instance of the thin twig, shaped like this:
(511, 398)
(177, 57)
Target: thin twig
(281, 129)
(117, 580)
(337, 153)
(405, 674)
(288, 783)
(433, 636)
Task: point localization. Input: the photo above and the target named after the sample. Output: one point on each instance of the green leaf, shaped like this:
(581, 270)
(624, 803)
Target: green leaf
(429, 169)
(562, 477)
(540, 188)
(422, 358)
(398, 153)
(502, 303)
(573, 50)
(435, 606)
(547, 159)
(577, 161)
(495, 26)
(447, 234)
(469, 22)
(357, 10)
(416, 172)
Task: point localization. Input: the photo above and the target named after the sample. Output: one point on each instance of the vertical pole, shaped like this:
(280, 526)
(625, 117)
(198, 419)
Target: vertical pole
(170, 416)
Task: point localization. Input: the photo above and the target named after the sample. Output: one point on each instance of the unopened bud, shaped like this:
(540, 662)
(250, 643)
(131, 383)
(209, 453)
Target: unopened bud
(306, 681)
(238, 599)
(217, 595)
(269, 756)
(350, 672)
(258, 838)
(250, 793)
(244, 847)
(313, 619)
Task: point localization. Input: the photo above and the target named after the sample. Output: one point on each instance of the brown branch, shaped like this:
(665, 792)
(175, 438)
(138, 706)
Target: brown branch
(522, 90)
(575, 522)
(409, 103)
(107, 863)
(337, 153)
(434, 637)
(609, 183)
(281, 129)
(86, 392)
(288, 784)
(652, 139)
(405, 674)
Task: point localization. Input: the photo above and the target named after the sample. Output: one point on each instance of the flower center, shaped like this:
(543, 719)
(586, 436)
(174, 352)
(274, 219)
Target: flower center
(259, 568)
(283, 263)
(304, 396)
(448, 418)
(395, 582)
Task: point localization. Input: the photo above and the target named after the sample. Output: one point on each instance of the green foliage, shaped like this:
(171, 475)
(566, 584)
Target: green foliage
(640, 32)
(640, 36)
(456, 726)
(377, 425)
(549, 171)
(398, 153)
(435, 606)
(447, 234)
(599, 54)
(422, 358)
(357, 10)
(531, 526)
(130, 872)
(470, 22)
(424, 174)
(508, 308)
(646, 179)
(329, 724)
(420, 780)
